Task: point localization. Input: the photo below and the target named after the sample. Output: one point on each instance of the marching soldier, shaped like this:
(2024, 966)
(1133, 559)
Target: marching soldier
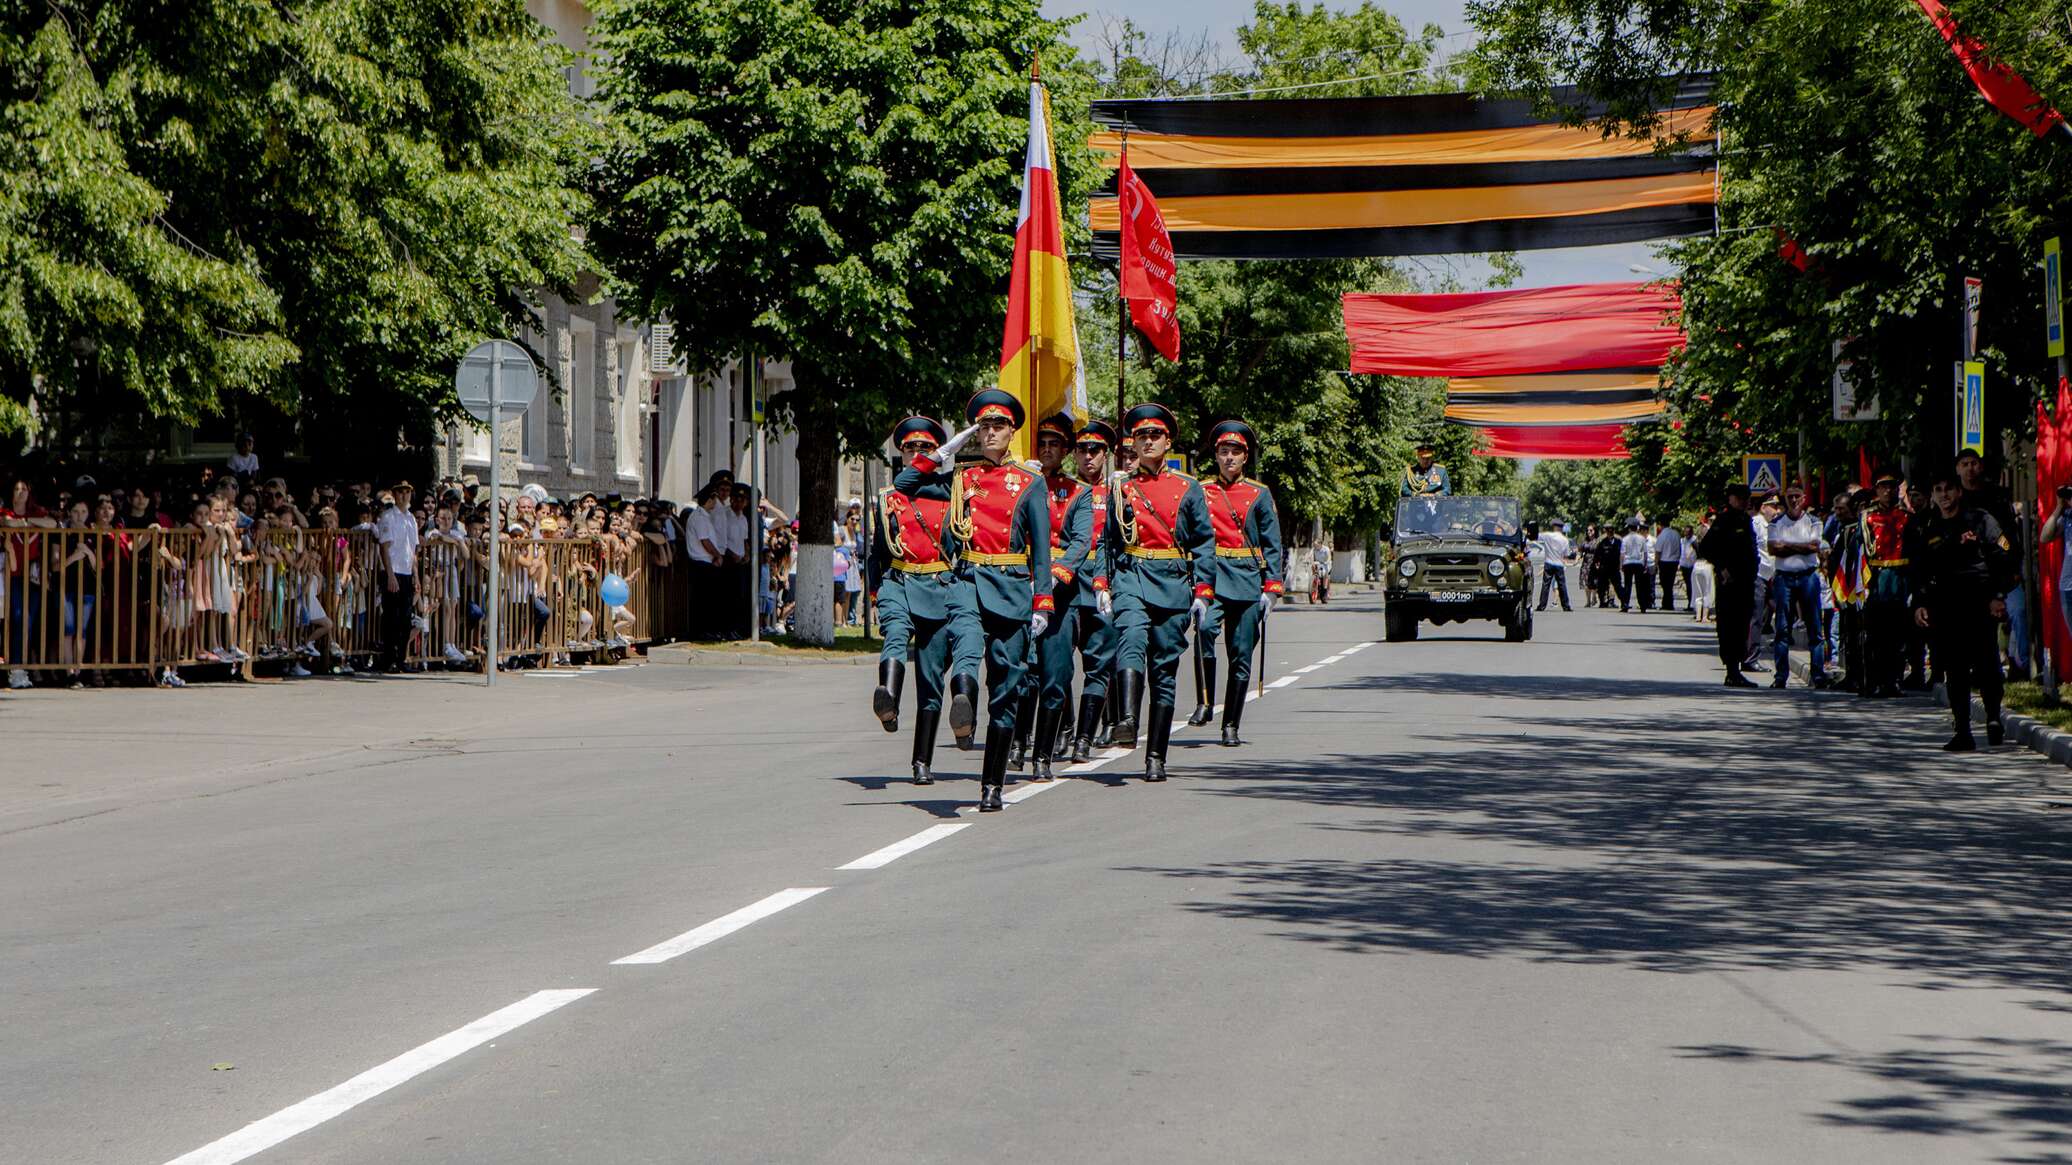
(910, 579)
(1002, 592)
(1960, 568)
(1162, 578)
(1072, 533)
(1122, 463)
(1426, 478)
(1246, 572)
(1093, 615)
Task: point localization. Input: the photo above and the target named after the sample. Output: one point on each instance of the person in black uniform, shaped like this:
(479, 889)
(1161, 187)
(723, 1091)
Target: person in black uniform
(1730, 547)
(1960, 568)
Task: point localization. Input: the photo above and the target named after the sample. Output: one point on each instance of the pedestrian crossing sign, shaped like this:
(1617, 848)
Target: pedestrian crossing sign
(1764, 473)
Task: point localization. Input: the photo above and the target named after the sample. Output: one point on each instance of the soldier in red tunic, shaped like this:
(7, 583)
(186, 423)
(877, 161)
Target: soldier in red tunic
(1163, 578)
(910, 579)
(1001, 527)
(1072, 529)
(1247, 572)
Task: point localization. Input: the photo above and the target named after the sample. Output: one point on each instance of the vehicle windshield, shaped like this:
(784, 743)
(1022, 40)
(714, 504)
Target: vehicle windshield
(1439, 517)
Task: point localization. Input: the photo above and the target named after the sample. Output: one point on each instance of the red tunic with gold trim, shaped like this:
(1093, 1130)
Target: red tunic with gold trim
(1168, 545)
(1248, 539)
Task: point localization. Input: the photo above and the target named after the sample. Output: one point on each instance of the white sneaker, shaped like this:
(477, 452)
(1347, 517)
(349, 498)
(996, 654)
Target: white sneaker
(18, 677)
(297, 670)
(454, 654)
(171, 679)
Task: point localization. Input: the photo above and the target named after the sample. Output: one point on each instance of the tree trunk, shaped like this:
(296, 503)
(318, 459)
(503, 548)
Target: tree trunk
(814, 618)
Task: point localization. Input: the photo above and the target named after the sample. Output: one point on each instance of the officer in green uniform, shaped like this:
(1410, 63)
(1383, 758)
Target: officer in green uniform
(1247, 570)
(1425, 478)
(1163, 578)
(910, 578)
(1071, 524)
(1000, 524)
(1093, 614)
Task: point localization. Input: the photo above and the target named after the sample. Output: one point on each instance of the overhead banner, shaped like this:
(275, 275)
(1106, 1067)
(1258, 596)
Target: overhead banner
(1579, 328)
(1561, 399)
(1566, 443)
(1418, 175)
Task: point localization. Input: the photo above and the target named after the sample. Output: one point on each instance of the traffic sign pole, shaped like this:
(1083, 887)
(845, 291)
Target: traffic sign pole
(496, 522)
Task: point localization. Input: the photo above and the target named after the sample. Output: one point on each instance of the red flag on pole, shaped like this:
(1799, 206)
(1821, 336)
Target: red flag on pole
(1150, 278)
(2001, 86)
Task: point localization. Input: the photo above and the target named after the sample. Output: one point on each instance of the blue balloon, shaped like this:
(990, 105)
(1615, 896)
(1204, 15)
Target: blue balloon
(614, 591)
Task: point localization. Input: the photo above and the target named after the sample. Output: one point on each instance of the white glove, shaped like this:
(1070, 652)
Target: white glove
(1199, 611)
(1038, 624)
(1265, 606)
(1104, 602)
(947, 451)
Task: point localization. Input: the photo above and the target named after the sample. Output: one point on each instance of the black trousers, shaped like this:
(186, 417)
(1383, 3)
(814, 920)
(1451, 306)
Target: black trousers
(705, 600)
(1888, 635)
(396, 608)
(1636, 583)
(1667, 573)
(1967, 650)
(1734, 599)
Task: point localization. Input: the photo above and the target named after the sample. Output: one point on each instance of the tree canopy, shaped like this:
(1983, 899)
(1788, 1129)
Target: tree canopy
(1851, 132)
(320, 203)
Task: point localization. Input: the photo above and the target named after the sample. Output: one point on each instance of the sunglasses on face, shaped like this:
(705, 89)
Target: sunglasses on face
(918, 447)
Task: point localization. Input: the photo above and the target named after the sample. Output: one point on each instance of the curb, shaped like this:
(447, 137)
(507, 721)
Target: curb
(673, 656)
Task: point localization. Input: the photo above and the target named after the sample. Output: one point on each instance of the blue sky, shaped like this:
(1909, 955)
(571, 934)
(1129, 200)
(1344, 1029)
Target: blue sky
(1220, 19)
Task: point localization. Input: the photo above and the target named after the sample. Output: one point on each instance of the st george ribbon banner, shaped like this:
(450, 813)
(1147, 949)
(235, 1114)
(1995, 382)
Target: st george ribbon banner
(1150, 277)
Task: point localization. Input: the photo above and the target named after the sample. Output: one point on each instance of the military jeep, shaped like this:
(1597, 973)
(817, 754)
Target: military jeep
(1452, 559)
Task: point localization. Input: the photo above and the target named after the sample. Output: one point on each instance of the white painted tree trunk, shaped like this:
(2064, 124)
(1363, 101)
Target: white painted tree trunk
(813, 621)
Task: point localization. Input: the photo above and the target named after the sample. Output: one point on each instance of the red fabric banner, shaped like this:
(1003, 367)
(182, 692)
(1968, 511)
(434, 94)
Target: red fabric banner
(1576, 328)
(1150, 277)
(1556, 442)
(2002, 87)
(2053, 469)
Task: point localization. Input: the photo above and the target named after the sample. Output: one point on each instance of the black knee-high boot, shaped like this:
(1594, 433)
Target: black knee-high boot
(1091, 710)
(924, 746)
(885, 701)
(1024, 727)
(1158, 733)
(1205, 710)
(1046, 741)
(1108, 716)
(1233, 706)
(993, 773)
(964, 710)
(1062, 750)
(1129, 692)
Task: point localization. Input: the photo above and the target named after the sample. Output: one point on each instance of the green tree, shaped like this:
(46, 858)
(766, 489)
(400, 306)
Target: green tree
(362, 189)
(1581, 492)
(1849, 128)
(834, 183)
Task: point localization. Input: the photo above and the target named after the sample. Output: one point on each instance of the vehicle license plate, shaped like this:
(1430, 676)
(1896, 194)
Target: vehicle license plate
(1451, 597)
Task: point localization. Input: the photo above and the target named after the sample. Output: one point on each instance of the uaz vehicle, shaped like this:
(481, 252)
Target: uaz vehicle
(1452, 559)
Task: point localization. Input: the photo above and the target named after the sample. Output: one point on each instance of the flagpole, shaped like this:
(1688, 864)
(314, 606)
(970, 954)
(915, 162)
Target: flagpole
(1122, 305)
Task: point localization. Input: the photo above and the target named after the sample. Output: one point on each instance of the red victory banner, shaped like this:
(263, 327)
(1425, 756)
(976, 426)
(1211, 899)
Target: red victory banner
(1150, 278)
(2001, 86)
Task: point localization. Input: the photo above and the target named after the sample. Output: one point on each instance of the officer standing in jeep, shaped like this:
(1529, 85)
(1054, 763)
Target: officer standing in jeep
(1426, 478)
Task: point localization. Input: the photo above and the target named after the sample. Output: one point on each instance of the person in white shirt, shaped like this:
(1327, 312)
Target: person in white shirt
(244, 463)
(1633, 570)
(1793, 552)
(396, 531)
(702, 543)
(1668, 562)
(1557, 551)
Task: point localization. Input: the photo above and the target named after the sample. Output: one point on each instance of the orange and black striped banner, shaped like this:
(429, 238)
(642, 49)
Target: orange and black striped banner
(1613, 396)
(1377, 176)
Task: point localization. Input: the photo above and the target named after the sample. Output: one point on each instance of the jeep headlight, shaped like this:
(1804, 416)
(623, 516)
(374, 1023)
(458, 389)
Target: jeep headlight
(1407, 567)
(1496, 568)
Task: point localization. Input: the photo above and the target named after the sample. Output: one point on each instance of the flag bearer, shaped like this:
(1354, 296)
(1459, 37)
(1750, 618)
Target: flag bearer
(1093, 614)
(911, 580)
(1162, 578)
(1246, 571)
(1002, 594)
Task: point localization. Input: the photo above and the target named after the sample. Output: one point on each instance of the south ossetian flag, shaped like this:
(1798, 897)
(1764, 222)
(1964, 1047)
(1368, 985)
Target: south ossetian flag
(1039, 355)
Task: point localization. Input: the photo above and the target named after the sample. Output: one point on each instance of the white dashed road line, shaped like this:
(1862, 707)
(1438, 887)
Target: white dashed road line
(264, 1134)
(900, 849)
(720, 927)
(270, 1131)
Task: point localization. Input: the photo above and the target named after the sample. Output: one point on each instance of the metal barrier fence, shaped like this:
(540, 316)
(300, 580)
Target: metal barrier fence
(95, 599)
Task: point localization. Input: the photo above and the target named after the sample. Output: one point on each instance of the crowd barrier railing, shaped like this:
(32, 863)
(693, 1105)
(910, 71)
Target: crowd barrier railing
(152, 599)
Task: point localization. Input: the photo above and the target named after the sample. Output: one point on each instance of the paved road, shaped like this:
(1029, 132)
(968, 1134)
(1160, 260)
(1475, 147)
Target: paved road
(1458, 901)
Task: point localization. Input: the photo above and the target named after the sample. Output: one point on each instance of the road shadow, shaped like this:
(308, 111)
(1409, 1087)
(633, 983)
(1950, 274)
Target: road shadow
(1682, 847)
(1948, 1087)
